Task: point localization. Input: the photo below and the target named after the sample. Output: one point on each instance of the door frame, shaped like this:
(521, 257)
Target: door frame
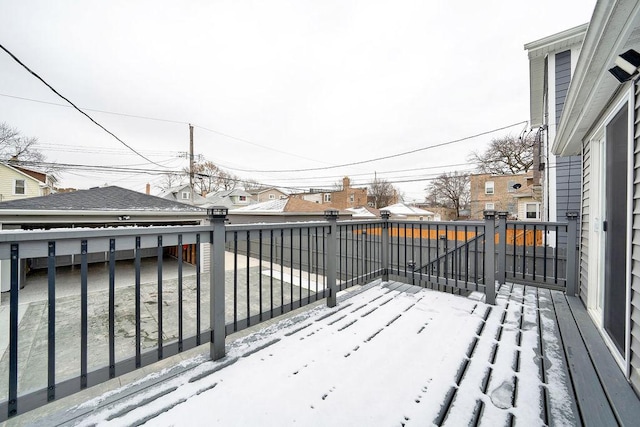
(597, 142)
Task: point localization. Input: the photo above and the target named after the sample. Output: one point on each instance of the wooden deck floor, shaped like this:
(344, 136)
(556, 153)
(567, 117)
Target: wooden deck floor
(535, 355)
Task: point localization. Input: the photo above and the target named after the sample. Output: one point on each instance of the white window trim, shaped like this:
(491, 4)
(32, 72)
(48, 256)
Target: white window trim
(492, 186)
(537, 205)
(24, 187)
(185, 195)
(489, 206)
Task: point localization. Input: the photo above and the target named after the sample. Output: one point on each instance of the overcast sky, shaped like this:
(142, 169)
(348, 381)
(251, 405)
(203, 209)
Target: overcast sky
(273, 85)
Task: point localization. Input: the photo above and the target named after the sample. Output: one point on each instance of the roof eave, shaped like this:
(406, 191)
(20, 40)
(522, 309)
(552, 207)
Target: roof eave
(592, 87)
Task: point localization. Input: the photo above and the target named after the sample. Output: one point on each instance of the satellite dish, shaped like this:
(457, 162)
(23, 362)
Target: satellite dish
(517, 186)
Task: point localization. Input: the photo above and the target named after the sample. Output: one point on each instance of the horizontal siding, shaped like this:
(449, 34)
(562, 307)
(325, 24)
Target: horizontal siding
(562, 79)
(585, 218)
(635, 251)
(7, 179)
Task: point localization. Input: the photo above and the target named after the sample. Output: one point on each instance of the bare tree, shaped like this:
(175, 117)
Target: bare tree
(450, 190)
(252, 184)
(506, 155)
(383, 193)
(170, 180)
(23, 151)
(208, 178)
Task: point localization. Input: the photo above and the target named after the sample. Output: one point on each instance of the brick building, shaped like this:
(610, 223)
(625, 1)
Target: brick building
(347, 197)
(509, 193)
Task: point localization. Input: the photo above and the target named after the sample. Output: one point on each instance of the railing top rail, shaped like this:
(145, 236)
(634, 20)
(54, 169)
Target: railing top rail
(11, 236)
(538, 223)
(440, 223)
(275, 226)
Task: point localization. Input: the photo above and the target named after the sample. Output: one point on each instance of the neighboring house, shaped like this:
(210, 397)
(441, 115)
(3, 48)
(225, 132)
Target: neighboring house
(97, 208)
(600, 123)
(184, 194)
(402, 211)
(445, 214)
(507, 193)
(266, 194)
(364, 212)
(18, 183)
(347, 197)
(230, 199)
(552, 61)
(283, 210)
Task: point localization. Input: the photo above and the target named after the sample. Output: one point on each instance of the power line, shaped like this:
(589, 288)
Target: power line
(384, 157)
(135, 116)
(74, 106)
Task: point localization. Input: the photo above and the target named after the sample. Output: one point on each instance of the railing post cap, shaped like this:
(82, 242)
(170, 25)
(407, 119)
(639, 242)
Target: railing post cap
(385, 214)
(217, 212)
(572, 215)
(489, 214)
(331, 214)
(503, 214)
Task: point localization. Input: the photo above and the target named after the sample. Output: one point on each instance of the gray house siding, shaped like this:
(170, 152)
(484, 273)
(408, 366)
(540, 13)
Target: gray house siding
(635, 248)
(584, 221)
(568, 169)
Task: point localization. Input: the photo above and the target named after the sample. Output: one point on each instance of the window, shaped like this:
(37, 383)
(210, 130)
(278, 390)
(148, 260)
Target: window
(488, 187)
(510, 186)
(272, 196)
(242, 198)
(489, 206)
(511, 207)
(185, 195)
(352, 198)
(19, 187)
(327, 197)
(532, 210)
(283, 197)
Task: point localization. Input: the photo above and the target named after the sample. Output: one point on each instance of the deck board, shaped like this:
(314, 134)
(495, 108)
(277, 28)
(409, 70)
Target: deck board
(592, 401)
(623, 400)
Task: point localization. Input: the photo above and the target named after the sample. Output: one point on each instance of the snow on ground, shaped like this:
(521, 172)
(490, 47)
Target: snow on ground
(381, 358)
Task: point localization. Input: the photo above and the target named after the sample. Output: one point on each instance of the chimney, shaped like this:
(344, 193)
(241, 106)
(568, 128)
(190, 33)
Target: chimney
(345, 182)
(148, 188)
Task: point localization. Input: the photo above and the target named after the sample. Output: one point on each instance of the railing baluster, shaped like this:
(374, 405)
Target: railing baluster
(198, 294)
(112, 297)
(524, 249)
(535, 242)
(282, 271)
(308, 265)
(51, 342)
(180, 255)
(83, 314)
(546, 250)
(271, 271)
(160, 250)
(13, 331)
(138, 307)
(291, 268)
(260, 242)
(248, 279)
(300, 265)
(235, 281)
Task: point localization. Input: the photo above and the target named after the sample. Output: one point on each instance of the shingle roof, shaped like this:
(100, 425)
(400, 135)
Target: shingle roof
(110, 198)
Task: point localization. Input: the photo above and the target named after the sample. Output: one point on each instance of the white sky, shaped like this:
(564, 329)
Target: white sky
(385, 359)
(309, 84)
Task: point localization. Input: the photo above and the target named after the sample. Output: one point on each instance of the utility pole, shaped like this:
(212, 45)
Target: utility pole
(191, 160)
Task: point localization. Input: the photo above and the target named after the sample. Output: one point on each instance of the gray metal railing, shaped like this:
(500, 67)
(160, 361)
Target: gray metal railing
(128, 297)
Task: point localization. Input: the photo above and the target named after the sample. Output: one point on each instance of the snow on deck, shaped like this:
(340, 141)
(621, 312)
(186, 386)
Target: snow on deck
(390, 355)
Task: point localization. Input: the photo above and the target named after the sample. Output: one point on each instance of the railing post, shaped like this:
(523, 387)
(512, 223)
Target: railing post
(384, 253)
(502, 248)
(332, 239)
(489, 257)
(217, 216)
(572, 241)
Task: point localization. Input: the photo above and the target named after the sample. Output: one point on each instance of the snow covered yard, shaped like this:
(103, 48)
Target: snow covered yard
(391, 354)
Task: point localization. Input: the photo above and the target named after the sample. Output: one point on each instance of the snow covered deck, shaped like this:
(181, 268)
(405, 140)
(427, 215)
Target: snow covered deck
(388, 354)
